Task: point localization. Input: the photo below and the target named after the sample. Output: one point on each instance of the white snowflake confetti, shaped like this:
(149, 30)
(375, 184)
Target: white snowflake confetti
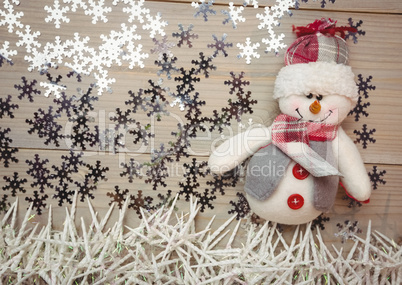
(136, 11)
(39, 61)
(234, 15)
(268, 20)
(97, 11)
(28, 39)
(52, 88)
(5, 51)
(56, 14)
(156, 25)
(248, 50)
(11, 19)
(274, 43)
(251, 2)
(103, 82)
(135, 56)
(75, 4)
(58, 50)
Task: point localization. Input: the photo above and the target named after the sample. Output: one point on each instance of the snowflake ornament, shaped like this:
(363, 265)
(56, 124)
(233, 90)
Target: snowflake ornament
(28, 39)
(364, 85)
(185, 36)
(56, 14)
(354, 35)
(97, 11)
(15, 184)
(364, 136)
(38, 201)
(203, 8)
(359, 109)
(274, 43)
(220, 45)
(233, 15)
(10, 18)
(376, 177)
(155, 25)
(167, 65)
(162, 47)
(135, 10)
(248, 50)
(6, 107)
(6, 53)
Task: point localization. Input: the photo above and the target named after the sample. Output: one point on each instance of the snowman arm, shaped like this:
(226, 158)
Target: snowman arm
(238, 148)
(355, 178)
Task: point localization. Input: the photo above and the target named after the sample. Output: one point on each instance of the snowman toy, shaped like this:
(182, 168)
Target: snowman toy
(299, 161)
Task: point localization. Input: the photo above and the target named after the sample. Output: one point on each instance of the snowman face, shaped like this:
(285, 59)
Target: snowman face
(329, 109)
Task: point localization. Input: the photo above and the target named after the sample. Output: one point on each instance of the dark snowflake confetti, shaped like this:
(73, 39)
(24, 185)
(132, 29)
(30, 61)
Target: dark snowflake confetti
(188, 188)
(156, 91)
(137, 100)
(354, 35)
(140, 201)
(85, 188)
(167, 65)
(7, 154)
(182, 143)
(220, 45)
(236, 83)
(364, 136)
(45, 125)
(73, 160)
(205, 200)
(352, 203)
(185, 36)
(241, 207)
(219, 184)
(3, 202)
(187, 79)
(132, 170)
(38, 201)
(364, 85)
(14, 184)
(359, 109)
(6, 107)
(203, 65)
(97, 172)
(157, 170)
(122, 119)
(319, 222)
(66, 104)
(376, 177)
(63, 194)
(40, 173)
(141, 133)
(27, 89)
(118, 196)
(195, 169)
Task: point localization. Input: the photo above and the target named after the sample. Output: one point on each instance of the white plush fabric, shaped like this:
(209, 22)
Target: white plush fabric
(324, 78)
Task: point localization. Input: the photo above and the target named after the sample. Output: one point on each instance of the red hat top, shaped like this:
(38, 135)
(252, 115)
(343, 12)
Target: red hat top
(319, 41)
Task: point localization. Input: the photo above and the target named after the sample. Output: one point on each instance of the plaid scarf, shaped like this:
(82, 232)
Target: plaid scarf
(292, 137)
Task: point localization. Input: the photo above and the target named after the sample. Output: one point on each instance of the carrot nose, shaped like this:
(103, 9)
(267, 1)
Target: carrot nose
(315, 107)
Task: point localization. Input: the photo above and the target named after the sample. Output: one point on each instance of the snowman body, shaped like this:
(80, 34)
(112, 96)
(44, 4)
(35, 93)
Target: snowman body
(316, 90)
(292, 202)
(292, 187)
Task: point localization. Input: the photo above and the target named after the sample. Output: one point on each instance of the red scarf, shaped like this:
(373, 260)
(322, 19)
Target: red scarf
(287, 130)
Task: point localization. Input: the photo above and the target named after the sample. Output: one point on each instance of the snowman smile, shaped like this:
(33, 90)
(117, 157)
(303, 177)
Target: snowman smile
(318, 120)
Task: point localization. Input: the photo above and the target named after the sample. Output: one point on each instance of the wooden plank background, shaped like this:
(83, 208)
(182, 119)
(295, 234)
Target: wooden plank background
(376, 55)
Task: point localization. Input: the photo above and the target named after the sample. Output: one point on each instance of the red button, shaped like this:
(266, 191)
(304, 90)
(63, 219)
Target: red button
(295, 201)
(299, 172)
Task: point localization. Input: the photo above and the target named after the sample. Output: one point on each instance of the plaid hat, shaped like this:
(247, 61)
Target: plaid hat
(317, 63)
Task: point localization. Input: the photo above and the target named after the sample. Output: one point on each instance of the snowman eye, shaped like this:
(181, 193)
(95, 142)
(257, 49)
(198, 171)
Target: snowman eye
(309, 96)
(319, 97)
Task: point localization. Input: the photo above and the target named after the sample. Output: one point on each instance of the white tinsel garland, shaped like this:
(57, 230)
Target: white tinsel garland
(161, 252)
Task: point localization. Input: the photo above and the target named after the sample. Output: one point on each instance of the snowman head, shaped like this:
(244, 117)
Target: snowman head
(316, 84)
